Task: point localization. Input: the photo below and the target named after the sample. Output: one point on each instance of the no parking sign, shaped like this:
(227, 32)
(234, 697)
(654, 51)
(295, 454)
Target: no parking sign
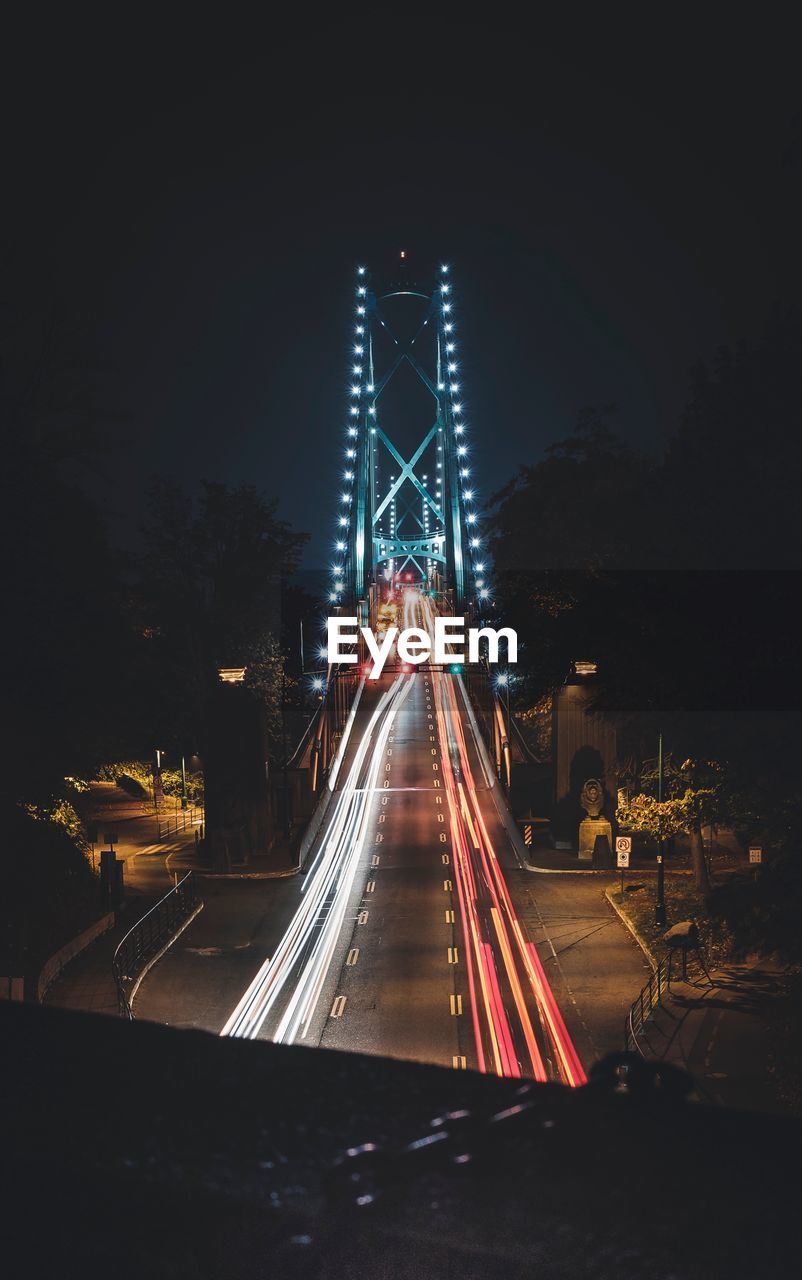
(623, 848)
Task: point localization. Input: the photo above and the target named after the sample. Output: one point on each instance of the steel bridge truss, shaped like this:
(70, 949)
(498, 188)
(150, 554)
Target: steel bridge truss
(409, 524)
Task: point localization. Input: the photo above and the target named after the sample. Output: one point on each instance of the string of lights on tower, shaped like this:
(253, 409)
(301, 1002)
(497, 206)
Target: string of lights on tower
(370, 543)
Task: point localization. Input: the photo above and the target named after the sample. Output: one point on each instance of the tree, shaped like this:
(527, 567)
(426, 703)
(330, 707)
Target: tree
(698, 796)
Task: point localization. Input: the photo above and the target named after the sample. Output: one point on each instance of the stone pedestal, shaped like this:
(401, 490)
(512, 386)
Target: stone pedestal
(588, 831)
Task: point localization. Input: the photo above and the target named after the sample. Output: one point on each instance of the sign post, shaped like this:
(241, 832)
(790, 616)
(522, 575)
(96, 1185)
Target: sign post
(755, 857)
(623, 848)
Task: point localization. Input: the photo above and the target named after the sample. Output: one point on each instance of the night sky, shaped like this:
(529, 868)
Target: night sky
(614, 204)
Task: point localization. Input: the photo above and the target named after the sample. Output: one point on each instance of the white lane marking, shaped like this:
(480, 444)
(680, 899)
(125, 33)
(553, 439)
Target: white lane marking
(453, 955)
(459, 1062)
(456, 1006)
(338, 1007)
(447, 886)
(450, 915)
(352, 957)
(370, 886)
(362, 918)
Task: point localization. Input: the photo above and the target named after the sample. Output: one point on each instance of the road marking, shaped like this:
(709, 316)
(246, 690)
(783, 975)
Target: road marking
(389, 751)
(434, 751)
(436, 767)
(370, 886)
(438, 799)
(362, 918)
(387, 768)
(445, 859)
(459, 1062)
(447, 886)
(443, 838)
(436, 782)
(440, 818)
(338, 1007)
(379, 837)
(385, 799)
(353, 956)
(453, 955)
(450, 916)
(382, 817)
(375, 860)
(456, 1006)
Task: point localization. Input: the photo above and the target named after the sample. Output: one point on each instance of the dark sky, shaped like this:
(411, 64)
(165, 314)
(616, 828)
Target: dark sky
(615, 202)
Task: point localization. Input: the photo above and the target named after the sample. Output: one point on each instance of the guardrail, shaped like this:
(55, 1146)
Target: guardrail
(178, 821)
(149, 936)
(645, 1003)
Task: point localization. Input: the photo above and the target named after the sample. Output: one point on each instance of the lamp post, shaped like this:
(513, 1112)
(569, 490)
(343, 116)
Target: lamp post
(183, 782)
(660, 901)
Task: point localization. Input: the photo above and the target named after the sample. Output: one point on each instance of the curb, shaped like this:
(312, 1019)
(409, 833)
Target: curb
(643, 946)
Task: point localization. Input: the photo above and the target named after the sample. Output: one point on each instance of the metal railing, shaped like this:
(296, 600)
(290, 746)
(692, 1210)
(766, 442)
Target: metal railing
(149, 936)
(178, 821)
(645, 1003)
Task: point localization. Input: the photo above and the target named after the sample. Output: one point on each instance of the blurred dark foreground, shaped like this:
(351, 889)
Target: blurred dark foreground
(136, 1150)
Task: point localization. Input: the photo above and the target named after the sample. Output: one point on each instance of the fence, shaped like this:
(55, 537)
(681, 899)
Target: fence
(642, 1007)
(149, 936)
(178, 821)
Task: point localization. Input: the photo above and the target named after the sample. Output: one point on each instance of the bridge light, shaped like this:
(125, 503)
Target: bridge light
(352, 431)
(350, 453)
(372, 410)
(360, 328)
(462, 449)
(444, 269)
(448, 327)
(345, 497)
(349, 475)
(458, 408)
(474, 542)
(369, 387)
(450, 346)
(343, 520)
(444, 288)
(465, 472)
(480, 568)
(340, 546)
(469, 495)
(441, 386)
(452, 368)
(317, 684)
(360, 271)
(358, 351)
(361, 291)
(471, 518)
(454, 387)
(357, 369)
(333, 596)
(501, 678)
(356, 390)
(446, 307)
(458, 430)
(360, 311)
(484, 593)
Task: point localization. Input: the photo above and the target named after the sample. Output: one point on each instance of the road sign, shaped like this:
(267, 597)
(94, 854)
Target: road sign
(756, 854)
(623, 848)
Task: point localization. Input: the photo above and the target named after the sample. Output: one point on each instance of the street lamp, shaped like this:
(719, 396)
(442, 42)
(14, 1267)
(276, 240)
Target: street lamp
(660, 901)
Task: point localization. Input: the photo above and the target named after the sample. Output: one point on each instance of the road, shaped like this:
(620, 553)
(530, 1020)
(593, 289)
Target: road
(401, 937)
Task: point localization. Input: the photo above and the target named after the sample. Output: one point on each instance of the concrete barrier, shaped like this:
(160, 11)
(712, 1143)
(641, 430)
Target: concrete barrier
(52, 967)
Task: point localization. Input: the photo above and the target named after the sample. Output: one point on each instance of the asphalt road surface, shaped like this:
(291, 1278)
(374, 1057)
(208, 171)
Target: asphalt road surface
(406, 935)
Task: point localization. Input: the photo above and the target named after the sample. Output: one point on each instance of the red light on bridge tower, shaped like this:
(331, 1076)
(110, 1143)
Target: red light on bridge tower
(403, 255)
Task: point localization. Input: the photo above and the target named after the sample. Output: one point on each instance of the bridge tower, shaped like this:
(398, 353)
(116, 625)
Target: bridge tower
(407, 511)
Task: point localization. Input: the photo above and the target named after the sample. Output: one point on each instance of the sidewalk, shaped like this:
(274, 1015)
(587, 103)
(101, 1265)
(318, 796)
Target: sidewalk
(87, 982)
(720, 1032)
